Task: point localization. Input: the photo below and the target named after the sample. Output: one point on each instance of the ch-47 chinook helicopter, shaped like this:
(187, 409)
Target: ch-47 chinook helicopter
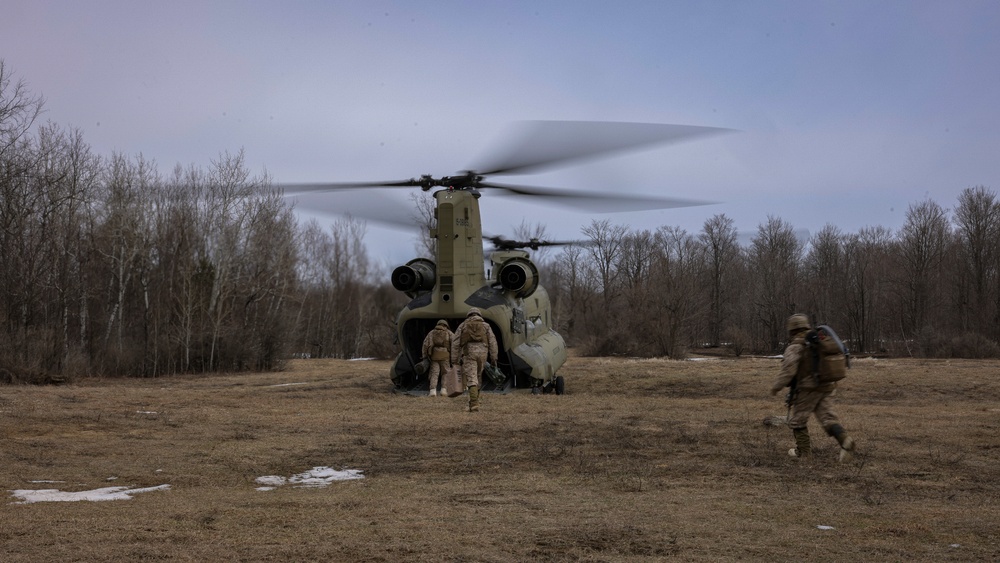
(507, 289)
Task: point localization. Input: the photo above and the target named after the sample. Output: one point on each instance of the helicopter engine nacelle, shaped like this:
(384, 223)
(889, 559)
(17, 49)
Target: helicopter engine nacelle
(417, 275)
(519, 276)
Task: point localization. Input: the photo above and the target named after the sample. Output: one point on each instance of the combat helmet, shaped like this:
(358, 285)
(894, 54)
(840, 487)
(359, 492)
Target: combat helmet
(797, 322)
(474, 312)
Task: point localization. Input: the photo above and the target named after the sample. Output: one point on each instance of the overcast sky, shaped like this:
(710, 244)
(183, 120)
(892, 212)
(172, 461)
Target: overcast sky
(848, 112)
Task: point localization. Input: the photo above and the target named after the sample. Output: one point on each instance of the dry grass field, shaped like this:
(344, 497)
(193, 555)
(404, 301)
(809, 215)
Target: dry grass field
(640, 460)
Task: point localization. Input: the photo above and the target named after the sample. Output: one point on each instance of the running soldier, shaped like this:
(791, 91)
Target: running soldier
(808, 396)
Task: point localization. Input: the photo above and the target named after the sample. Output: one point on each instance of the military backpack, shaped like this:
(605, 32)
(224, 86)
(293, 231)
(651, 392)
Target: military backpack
(474, 331)
(441, 344)
(830, 358)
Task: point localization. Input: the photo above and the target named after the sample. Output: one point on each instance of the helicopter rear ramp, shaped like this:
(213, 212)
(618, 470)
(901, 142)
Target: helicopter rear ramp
(410, 378)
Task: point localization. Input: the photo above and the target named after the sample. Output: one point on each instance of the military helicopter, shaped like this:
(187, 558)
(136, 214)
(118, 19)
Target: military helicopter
(507, 289)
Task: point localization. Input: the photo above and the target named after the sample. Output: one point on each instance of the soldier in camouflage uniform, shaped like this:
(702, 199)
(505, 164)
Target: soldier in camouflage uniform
(807, 397)
(474, 344)
(437, 348)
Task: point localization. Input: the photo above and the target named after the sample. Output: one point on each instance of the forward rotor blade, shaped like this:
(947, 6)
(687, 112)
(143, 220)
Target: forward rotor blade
(371, 205)
(597, 202)
(303, 188)
(531, 146)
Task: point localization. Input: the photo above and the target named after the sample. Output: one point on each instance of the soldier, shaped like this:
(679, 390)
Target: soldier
(808, 396)
(474, 344)
(437, 348)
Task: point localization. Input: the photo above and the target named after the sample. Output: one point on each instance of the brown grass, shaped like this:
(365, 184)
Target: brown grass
(641, 460)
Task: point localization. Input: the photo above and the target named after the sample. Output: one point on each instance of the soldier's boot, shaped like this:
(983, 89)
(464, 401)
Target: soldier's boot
(802, 449)
(473, 398)
(845, 441)
(433, 392)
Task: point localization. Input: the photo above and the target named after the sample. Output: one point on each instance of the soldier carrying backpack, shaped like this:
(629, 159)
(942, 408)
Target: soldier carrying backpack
(473, 346)
(437, 349)
(813, 362)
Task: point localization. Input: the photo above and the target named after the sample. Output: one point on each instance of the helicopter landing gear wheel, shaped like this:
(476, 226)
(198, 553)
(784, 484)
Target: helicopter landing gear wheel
(560, 385)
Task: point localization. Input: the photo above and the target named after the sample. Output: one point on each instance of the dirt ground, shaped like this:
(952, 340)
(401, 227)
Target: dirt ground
(640, 460)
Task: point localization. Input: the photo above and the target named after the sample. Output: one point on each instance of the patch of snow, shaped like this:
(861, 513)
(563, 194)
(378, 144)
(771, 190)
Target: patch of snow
(146, 412)
(288, 384)
(826, 527)
(272, 480)
(323, 476)
(360, 359)
(106, 493)
(315, 477)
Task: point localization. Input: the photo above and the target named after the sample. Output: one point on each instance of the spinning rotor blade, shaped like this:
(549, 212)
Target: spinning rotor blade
(302, 188)
(597, 202)
(529, 147)
(370, 205)
(533, 145)
(501, 243)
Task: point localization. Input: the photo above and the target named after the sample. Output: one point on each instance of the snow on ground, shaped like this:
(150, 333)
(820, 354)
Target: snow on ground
(315, 477)
(106, 493)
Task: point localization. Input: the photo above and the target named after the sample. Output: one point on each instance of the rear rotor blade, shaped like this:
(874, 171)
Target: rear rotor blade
(531, 146)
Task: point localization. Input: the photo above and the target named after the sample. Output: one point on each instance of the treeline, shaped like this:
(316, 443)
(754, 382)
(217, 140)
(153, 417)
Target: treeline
(111, 268)
(931, 289)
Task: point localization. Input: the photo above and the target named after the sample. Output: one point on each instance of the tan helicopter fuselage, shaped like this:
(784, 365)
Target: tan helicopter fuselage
(509, 298)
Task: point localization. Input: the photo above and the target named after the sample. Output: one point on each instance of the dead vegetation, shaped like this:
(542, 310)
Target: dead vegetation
(640, 460)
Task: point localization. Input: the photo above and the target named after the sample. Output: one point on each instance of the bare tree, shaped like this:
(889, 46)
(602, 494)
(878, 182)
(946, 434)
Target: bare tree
(775, 257)
(977, 220)
(924, 239)
(123, 242)
(719, 237)
(571, 285)
(337, 292)
(607, 241)
(19, 109)
(674, 300)
(425, 213)
(823, 270)
(867, 265)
